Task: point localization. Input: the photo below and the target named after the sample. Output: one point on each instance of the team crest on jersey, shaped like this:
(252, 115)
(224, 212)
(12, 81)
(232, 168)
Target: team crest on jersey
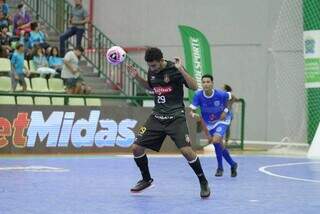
(212, 117)
(142, 130)
(166, 78)
(217, 103)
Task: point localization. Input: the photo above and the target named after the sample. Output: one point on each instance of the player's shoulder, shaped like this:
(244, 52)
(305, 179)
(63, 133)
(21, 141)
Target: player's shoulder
(222, 93)
(219, 91)
(198, 92)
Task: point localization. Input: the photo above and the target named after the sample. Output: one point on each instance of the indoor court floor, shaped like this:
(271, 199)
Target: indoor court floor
(100, 184)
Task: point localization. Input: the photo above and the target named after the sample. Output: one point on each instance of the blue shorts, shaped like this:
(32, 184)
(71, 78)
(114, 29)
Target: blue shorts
(220, 127)
(219, 130)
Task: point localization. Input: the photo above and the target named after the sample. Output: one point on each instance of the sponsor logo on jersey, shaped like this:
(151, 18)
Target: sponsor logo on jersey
(162, 90)
(217, 103)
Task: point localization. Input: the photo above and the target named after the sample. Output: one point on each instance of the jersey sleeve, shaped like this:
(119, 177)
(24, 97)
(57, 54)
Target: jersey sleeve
(196, 101)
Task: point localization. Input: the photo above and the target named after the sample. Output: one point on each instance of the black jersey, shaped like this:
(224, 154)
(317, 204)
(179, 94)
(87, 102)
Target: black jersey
(167, 86)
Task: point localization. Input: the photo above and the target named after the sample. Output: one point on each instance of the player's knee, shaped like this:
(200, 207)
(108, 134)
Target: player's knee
(137, 150)
(188, 153)
(216, 139)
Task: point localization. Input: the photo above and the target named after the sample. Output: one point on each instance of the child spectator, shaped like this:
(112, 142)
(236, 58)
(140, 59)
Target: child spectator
(19, 70)
(55, 61)
(41, 63)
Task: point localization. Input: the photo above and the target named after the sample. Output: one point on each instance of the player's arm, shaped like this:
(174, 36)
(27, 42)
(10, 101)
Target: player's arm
(228, 106)
(135, 74)
(192, 83)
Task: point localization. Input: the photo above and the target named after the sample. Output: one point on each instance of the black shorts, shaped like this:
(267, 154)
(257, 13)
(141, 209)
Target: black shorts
(156, 128)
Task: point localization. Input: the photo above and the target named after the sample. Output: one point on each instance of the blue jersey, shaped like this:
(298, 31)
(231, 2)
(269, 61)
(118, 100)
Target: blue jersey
(211, 107)
(17, 61)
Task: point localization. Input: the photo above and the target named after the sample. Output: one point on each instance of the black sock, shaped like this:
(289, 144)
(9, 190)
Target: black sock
(142, 163)
(196, 166)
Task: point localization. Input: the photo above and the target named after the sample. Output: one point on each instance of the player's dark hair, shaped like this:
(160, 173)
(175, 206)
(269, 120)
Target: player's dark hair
(227, 88)
(207, 76)
(153, 54)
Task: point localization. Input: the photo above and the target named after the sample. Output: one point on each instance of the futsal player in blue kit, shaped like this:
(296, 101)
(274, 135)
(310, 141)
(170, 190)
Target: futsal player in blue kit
(216, 118)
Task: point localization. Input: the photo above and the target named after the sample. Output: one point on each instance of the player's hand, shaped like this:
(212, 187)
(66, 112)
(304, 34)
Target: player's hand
(210, 139)
(16, 77)
(132, 71)
(195, 116)
(178, 62)
(223, 116)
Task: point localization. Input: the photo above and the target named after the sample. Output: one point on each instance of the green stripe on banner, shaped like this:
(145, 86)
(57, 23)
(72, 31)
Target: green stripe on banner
(197, 54)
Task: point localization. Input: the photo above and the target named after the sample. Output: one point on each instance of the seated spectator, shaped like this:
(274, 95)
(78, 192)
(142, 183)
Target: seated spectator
(4, 21)
(41, 63)
(71, 73)
(3, 52)
(4, 8)
(5, 40)
(37, 36)
(19, 70)
(55, 61)
(78, 20)
(21, 21)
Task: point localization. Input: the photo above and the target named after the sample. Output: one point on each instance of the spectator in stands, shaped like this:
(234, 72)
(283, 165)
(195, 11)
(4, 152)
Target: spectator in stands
(19, 70)
(78, 20)
(3, 52)
(5, 40)
(4, 8)
(71, 73)
(4, 21)
(55, 61)
(21, 21)
(37, 36)
(41, 63)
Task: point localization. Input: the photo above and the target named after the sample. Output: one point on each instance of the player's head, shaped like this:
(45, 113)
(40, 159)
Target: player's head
(154, 58)
(207, 82)
(227, 88)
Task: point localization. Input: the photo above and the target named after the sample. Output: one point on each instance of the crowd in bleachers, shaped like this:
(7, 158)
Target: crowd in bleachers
(29, 63)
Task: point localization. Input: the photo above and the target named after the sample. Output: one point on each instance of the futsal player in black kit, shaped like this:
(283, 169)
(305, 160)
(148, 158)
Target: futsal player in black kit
(165, 80)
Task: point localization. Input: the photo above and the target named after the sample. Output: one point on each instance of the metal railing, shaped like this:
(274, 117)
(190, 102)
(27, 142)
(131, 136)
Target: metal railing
(56, 15)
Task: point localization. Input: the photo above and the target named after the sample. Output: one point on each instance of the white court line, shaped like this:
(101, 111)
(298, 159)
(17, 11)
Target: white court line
(263, 169)
(33, 169)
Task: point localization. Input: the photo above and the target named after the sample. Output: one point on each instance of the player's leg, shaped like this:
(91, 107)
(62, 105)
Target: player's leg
(218, 147)
(178, 131)
(149, 136)
(218, 134)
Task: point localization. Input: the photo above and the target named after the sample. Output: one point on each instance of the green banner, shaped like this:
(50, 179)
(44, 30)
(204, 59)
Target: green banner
(197, 54)
(311, 37)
